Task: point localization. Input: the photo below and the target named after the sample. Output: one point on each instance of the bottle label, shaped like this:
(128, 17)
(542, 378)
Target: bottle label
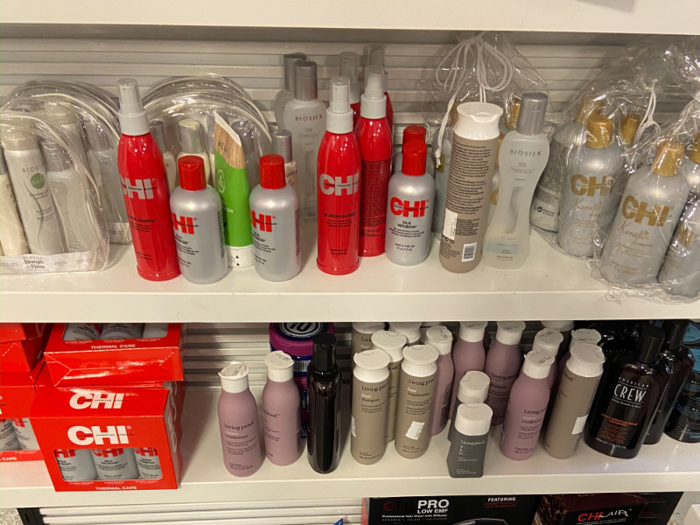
(375, 186)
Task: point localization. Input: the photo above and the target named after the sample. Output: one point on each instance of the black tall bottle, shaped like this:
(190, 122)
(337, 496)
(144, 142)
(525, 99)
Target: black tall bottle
(680, 362)
(628, 398)
(324, 380)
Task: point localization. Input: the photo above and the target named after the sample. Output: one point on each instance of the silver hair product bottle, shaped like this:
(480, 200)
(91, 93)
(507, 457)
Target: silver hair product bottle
(653, 201)
(190, 134)
(282, 146)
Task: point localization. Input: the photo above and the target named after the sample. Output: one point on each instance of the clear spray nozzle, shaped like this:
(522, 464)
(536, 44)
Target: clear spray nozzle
(374, 82)
(375, 54)
(348, 66)
(132, 116)
(340, 87)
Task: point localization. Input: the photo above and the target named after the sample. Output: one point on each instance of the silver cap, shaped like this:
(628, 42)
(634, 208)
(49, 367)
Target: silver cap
(533, 108)
(282, 144)
(98, 140)
(188, 132)
(3, 166)
(56, 157)
(305, 80)
(289, 61)
(158, 132)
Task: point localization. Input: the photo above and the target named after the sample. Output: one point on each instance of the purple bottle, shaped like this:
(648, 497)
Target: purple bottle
(468, 353)
(527, 407)
(440, 338)
(281, 411)
(238, 421)
(503, 366)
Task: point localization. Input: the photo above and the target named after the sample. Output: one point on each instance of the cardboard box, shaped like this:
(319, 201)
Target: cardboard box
(113, 423)
(598, 509)
(21, 345)
(115, 361)
(20, 331)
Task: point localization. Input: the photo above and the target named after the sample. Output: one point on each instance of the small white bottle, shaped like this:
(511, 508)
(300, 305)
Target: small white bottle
(521, 159)
(155, 330)
(190, 134)
(282, 146)
(25, 434)
(286, 94)
(509, 123)
(82, 332)
(8, 438)
(75, 464)
(12, 235)
(115, 463)
(65, 116)
(158, 132)
(148, 463)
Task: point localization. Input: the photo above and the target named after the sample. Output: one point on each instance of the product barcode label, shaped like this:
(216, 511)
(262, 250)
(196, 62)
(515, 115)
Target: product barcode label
(580, 423)
(468, 252)
(415, 430)
(449, 228)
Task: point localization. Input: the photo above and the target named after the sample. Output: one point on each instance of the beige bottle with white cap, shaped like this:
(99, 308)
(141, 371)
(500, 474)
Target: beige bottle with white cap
(362, 337)
(440, 338)
(393, 344)
(410, 330)
(473, 388)
(416, 391)
(550, 341)
(370, 394)
(565, 328)
(580, 336)
(468, 450)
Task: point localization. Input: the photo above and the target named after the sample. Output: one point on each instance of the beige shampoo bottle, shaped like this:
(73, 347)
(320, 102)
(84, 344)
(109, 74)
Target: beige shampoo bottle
(393, 344)
(370, 392)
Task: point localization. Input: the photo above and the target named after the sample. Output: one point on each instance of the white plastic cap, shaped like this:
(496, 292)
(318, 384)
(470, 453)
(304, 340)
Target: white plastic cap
(132, 116)
(473, 419)
(348, 69)
(440, 338)
(280, 367)
(339, 112)
(234, 378)
(373, 104)
(586, 360)
(419, 360)
(478, 120)
(561, 326)
(392, 343)
(368, 328)
(538, 363)
(584, 335)
(371, 365)
(693, 516)
(60, 113)
(472, 331)
(548, 340)
(510, 332)
(473, 387)
(410, 330)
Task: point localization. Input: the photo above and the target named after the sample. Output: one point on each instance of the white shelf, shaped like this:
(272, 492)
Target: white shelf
(550, 286)
(668, 466)
(595, 16)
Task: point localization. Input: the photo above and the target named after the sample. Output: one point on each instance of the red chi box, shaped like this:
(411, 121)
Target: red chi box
(21, 345)
(115, 361)
(17, 392)
(112, 438)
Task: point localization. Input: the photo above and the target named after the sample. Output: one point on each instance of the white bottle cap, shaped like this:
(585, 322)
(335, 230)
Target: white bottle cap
(473, 387)
(60, 113)
(373, 104)
(478, 120)
(348, 69)
(472, 331)
(280, 367)
(339, 112)
(538, 363)
(391, 342)
(440, 338)
(234, 378)
(410, 330)
(693, 516)
(586, 360)
(473, 419)
(132, 116)
(548, 340)
(561, 326)
(419, 360)
(188, 132)
(510, 332)
(368, 328)
(584, 335)
(371, 366)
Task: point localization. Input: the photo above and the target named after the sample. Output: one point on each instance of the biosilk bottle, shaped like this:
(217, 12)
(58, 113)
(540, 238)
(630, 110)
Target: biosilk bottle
(472, 388)
(348, 69)
(12, 235)
(473, 157)
(416, 390)
(25, 434)
(362, 337)
(76, 464)
(652, 203)
(468, 450)
(282, 146)
(393, 344)
(503, 366)
(588, 189)
(64, 115)
(286, 94)
(281, 404)
(511, 121)
(115, 464)
(238, 422)
(468, 353)
(370, 391)
(148, 463)
(521, 159)
(305, 117)
(440, 338)
(158, 132)
(411, 133)
(409, 329)
(190, 134)
(409, 209)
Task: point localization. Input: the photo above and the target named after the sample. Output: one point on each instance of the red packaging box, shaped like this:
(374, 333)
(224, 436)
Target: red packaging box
(122, 430)
(21, 345)
(17, 392)
(115, 361)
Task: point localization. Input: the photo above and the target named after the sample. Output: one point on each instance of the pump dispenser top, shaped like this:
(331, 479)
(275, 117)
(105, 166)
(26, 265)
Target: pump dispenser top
(650, 342)
(324, 353)
(339, 113)
(373, 99)
(348, 69)
(132, 116)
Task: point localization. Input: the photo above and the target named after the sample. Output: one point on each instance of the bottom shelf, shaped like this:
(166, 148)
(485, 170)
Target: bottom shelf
(668, 466)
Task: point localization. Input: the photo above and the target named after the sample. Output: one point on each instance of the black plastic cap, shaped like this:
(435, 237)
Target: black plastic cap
(650, 344)
(675, 330)
(323, 359)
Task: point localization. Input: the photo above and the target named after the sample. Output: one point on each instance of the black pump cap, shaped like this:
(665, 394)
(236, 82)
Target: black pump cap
(323, 359)
(675, 330)
(650, 344)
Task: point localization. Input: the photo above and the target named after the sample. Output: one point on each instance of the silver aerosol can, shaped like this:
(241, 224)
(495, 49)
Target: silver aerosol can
(274, 212)
(588, 189)
(410, 208)
(198, 224)
(652, 203)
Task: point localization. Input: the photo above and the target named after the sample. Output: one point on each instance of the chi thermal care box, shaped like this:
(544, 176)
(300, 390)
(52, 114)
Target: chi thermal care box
(21, 345)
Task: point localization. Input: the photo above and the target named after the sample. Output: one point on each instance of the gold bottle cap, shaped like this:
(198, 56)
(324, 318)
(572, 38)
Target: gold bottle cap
(512, 112)
(628, 128)
(600, 131)
(668, 158)
(588, 108)
(693, 150)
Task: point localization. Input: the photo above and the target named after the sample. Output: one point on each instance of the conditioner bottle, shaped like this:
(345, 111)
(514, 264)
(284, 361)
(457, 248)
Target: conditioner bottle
(468, 450)
(281, 410)
(503, 366)
(393, 344)
(473, 388)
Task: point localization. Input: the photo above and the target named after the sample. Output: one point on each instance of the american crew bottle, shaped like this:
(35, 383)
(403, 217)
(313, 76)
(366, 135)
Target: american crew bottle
(374, 136)
(76, 464)
(198, 224)
(411, 133)
(338, 188)
(410, 330)
(324, 379)
(468, 353)
(652, 203)
(440, 338)
(115, 464)
(393, 344)
(362, 337)
(468, 450)
(549, 341)
(573, 400)
(282, 146)
(281, 403)
(286, 94)
(190, 135)
(348, 69)
(628, 398)
(238, 422)
(502, 366)
(158, 132)
(416, 392)
(12, 237)
(370, 391)
(472, 388)
(145, 189)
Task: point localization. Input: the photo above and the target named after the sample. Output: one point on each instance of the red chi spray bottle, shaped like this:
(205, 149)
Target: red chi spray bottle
(338, 187)
(145, 189)
(374, 135)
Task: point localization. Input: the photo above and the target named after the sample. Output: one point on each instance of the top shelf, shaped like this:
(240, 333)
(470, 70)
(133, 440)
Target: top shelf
(579, 16)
